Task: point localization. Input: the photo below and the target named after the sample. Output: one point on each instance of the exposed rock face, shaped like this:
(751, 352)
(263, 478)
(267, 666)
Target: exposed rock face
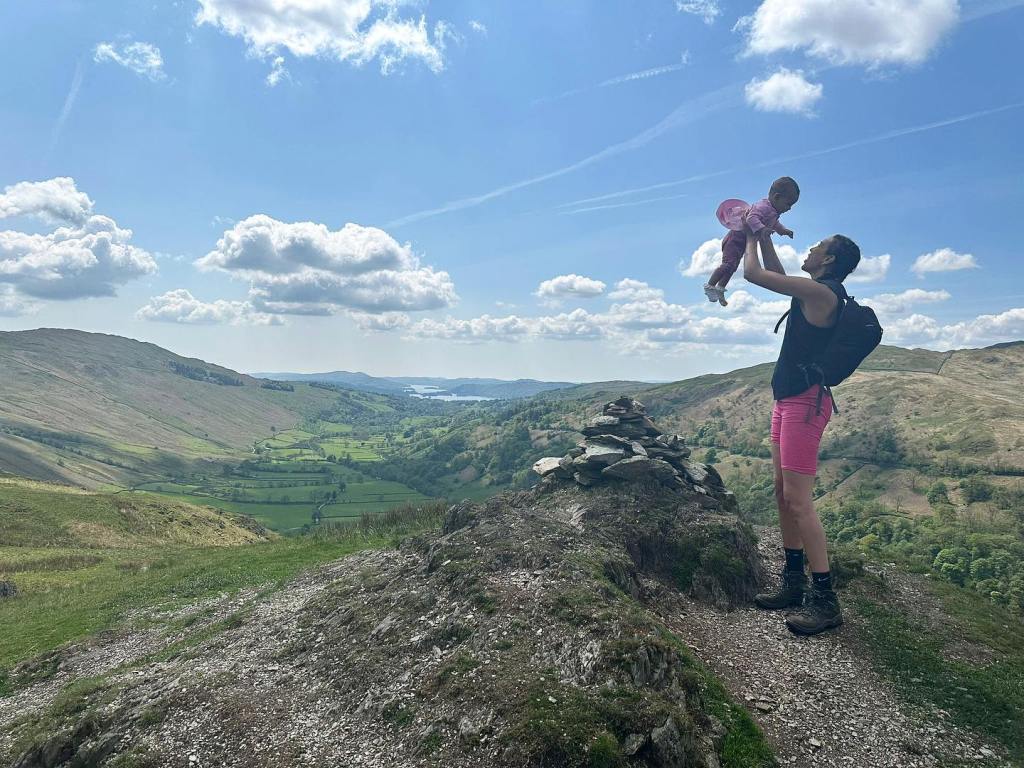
(623, 443)
(522, 633)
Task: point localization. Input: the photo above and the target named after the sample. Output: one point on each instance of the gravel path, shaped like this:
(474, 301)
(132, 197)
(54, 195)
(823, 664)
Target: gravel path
(818, 699)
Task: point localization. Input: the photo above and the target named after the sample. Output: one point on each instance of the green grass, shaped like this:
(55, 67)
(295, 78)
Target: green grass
(41, 515)
(986, 696)
(57, 605)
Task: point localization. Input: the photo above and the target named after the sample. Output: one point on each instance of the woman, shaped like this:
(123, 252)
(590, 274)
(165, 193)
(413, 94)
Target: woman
(798, 421)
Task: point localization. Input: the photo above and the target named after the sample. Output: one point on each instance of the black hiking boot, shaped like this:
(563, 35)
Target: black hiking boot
(789, 595)
(819, 612)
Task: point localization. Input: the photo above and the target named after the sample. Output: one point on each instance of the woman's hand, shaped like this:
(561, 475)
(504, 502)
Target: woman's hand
(746, 227)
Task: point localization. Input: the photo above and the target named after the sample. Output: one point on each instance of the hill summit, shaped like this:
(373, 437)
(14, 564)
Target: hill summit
(520, 634)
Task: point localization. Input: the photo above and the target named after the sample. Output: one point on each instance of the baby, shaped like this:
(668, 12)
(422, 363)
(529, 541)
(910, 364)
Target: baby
(763, 214)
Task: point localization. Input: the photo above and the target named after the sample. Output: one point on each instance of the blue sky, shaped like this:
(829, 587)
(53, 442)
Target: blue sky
(513, 190)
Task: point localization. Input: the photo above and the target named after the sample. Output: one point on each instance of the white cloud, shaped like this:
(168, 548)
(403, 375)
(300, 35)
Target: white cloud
(790, 257)
(784, 91)
(987, 329)
(648, 313)
(641, 321)
(708, 10)
(899, 303)
(629, 289)
(90, 256)
(704, 260)
(942, 260)
(278, 72)
(570, 286)
(569, 326)
(386, 321)
(55, 201)
(306, 268)
(478, 27)
(483, 328)
(180, 306)
(921, 330)
(12, 304)
(871, 32)
(143, 59)
(914, 330)
(357, 31)
(871, 269)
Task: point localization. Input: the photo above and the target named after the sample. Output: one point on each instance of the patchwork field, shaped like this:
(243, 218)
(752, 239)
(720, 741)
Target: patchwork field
(296, 477)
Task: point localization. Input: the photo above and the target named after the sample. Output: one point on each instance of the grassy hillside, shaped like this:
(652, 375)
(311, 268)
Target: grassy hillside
(41, 516)
(82, 561)
(903, 408)
(93, 409)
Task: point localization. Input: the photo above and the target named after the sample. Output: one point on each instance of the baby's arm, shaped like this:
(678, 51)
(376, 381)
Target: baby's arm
(781, 229)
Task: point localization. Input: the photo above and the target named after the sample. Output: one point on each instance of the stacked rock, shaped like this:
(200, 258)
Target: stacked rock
(623, 443)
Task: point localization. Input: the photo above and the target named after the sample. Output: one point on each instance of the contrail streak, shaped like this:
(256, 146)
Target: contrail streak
(888, 135)
(645, 201)
(685, 114)
(643, 74)
(69, 103)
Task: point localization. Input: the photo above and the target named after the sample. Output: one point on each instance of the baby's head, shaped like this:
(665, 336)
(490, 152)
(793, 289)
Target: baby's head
(783, 194)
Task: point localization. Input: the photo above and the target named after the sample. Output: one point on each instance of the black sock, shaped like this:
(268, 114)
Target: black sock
(822, 580)
(794, 560)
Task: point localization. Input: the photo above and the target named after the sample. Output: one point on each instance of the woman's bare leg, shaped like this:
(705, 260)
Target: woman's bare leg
(789, 524)
(797, 495)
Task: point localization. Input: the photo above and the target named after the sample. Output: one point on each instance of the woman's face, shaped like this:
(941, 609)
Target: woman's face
(817, 257)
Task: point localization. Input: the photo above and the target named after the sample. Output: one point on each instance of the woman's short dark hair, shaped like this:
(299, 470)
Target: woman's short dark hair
(847, 256)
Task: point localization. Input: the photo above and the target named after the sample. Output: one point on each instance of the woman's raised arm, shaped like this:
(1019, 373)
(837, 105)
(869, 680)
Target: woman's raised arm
(771, 258)
(820, 297)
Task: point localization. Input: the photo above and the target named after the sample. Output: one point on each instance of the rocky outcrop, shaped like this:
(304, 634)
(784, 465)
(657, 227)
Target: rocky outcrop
(623, 444)
(522, 633)
(7, 588)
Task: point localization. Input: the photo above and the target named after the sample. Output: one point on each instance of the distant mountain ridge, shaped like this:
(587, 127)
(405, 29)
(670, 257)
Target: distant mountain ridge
(503, 389)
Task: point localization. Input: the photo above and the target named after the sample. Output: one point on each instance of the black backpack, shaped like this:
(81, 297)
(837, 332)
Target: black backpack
(855, 335)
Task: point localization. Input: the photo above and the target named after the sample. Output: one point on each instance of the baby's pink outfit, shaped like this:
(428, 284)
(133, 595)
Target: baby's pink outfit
(762, 214)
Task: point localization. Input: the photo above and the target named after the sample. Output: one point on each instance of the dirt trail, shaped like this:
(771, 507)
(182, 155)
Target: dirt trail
(818, 699)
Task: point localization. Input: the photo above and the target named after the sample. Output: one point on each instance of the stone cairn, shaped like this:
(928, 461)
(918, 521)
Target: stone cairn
(624, 444)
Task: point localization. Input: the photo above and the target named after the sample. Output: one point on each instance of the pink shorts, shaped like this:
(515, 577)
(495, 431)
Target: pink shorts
(797, 429)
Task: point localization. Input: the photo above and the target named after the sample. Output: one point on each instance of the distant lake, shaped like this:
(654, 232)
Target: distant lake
(436, 393)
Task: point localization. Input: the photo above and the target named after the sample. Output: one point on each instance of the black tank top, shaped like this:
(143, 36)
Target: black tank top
(801, 343)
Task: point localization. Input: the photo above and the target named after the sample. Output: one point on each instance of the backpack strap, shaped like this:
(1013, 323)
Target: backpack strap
(814, 375)
(784, 316)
